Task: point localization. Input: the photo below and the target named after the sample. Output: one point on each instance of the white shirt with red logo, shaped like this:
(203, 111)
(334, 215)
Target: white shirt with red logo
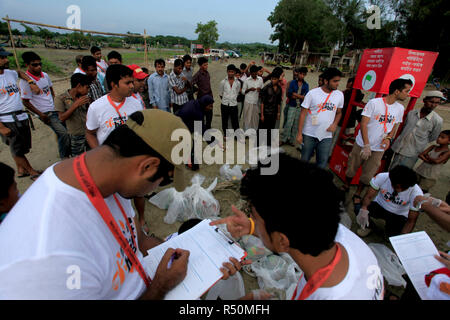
(375, 109)
(42, 101)
(10, 96)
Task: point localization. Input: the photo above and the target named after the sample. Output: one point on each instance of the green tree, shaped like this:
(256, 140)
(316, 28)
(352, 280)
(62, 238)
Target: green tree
(207, 33)
(28, 30)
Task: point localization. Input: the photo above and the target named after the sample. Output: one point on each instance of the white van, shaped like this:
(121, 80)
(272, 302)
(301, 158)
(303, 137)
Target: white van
(217, 53)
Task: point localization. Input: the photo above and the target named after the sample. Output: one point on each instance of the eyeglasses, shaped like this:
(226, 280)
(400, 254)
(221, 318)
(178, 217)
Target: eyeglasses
(36, 64)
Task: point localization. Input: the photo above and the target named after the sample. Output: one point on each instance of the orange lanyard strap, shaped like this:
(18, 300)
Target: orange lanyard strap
(103, 70)
(95, 197)
(318, 278)
(117, 108)
(385, 116)
(323, 104)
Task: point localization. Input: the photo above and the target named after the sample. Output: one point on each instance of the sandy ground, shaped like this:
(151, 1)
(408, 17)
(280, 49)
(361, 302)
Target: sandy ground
(44, 153)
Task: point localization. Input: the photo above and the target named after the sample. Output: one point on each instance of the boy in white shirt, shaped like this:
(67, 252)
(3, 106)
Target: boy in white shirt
(229, 89)
(380, 120)
(335, 263)
(320, 115)
(251, 88)
(42, 104)
(395, 192)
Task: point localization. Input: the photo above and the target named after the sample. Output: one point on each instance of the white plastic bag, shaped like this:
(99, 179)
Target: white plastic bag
(391, 267)
(164, 198)
(255, 247)
(231, 174)
(230, 289)
(345, 218)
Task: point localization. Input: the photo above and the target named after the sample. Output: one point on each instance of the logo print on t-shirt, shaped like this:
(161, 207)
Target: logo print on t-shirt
(10, 89)
(115, 122)
(380, 118)
(395, 200)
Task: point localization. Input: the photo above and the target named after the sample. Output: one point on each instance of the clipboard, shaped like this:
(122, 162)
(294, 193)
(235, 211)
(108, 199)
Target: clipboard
(209, 248)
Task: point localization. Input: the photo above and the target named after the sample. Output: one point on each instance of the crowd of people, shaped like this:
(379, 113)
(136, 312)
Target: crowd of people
(113, 127)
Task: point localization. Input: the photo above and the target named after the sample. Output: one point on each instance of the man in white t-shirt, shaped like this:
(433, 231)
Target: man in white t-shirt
(251, 89)
(380, 120)
(42, 104)
(394, 194)
(335, 263)
(320, 115)
(14, 124)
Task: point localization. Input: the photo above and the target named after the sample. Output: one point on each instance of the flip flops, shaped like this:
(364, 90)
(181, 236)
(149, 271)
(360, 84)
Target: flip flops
(23, 175)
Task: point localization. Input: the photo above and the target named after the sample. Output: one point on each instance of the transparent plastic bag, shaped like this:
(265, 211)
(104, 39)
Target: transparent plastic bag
(163, 199)
(255, 247)
(231, 289)
(231, 174)
(277, 274)
(344, 217)
(391, 267)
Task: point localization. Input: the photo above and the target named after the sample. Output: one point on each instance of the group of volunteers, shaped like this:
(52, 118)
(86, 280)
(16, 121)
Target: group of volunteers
(114, 126)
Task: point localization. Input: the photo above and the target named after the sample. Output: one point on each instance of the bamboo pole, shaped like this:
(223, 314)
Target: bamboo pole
(79, 30)
(145, 50)
(13, 45)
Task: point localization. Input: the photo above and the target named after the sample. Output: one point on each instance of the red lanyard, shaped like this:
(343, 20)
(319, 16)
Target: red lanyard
(95, 197)
(34, 77)
(385, 116)
(103, 70)
(142, 100)
(117, 108)
(318, 278)
(323, 104)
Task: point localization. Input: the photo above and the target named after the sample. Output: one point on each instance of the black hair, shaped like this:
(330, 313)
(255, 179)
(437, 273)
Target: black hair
(145, 70)
(187, 57)
(95, 49)
(79, 78)
(330, 73)
(188, 225)
(399, 84)
(301, 70)
(352, 80)
(78, 58)
(309, 222)
(88, 61)
(114, 55)
(29, 56)
(243, 66)
(231, 67)
(237, 70)
(277, 72)
(260, 68)
(116, 72)
(160, 61)
(403, 176)
(178, 62)
(7, 174)
(446, 132)
(253, 69)
(321, 76)
(126, 143)
(202, 61)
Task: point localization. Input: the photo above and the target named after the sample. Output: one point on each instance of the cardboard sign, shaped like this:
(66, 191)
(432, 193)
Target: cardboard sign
(379, 67)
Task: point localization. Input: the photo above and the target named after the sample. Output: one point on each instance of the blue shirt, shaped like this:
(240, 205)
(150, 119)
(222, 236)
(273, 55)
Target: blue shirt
(293, 88)
(158, 91)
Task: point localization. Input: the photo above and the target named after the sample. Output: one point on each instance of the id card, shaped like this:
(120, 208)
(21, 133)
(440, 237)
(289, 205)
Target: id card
(315, 120)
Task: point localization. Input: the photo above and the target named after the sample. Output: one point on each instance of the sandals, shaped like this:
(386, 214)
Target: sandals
(23, 175)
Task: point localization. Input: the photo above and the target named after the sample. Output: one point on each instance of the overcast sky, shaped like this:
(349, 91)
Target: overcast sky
(239, 21)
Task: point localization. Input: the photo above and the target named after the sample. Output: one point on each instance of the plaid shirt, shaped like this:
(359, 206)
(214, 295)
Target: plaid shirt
(95, 90)
(177, 81)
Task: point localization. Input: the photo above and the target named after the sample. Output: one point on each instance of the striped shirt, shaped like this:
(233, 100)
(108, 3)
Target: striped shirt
(177, 81)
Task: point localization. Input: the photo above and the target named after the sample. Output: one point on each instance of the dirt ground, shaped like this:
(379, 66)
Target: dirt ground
(44, 153)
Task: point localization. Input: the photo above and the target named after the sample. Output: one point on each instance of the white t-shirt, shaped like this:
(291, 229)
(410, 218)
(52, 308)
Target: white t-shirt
(43, 101)
(10, 96)
(252, 96)
(363, 280)
(375, 109)
(101, 115)
(54, 237)
(78, 70)
(403, 202)
(313, 101)
(102, 66)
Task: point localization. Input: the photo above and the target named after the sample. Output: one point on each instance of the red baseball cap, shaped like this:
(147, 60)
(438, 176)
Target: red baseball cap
(137, 72)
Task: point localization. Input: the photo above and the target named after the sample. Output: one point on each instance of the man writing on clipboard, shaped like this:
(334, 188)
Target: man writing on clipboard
(81, 240)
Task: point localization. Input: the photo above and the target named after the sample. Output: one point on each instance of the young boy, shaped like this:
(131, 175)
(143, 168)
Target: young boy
(252, 87)
(72, 108)
(139, 77)
(271, 96)
(203, 82)
(229, 89)
(158, 87)
(78, 59)
(178, 86)
(42, 104)
(188, 74)
(434, 158)
(9, 194)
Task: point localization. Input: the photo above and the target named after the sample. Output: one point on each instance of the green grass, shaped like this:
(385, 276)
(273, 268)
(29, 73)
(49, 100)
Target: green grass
(138, 56)
(47, 66)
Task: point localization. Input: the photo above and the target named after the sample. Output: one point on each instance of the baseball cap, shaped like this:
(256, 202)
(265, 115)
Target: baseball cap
(156, 130)
(138, 73)
(434, 94)
(5, 53)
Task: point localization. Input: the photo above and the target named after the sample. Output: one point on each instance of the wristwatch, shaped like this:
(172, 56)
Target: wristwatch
(31, 82)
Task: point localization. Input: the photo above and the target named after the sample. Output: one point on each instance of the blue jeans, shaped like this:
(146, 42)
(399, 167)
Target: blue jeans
(61, 132)
(322, 148)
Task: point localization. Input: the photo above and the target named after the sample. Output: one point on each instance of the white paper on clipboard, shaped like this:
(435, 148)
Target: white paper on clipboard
(416, 252)
(209, 248)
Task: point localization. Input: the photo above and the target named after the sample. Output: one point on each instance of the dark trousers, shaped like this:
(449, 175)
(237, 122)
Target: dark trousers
(208, 119)
(229, 112)
(176, 107)
(268, 124)
(394, 222)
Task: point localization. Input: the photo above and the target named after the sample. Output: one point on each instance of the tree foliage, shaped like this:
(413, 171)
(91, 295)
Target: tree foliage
(207, 33)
